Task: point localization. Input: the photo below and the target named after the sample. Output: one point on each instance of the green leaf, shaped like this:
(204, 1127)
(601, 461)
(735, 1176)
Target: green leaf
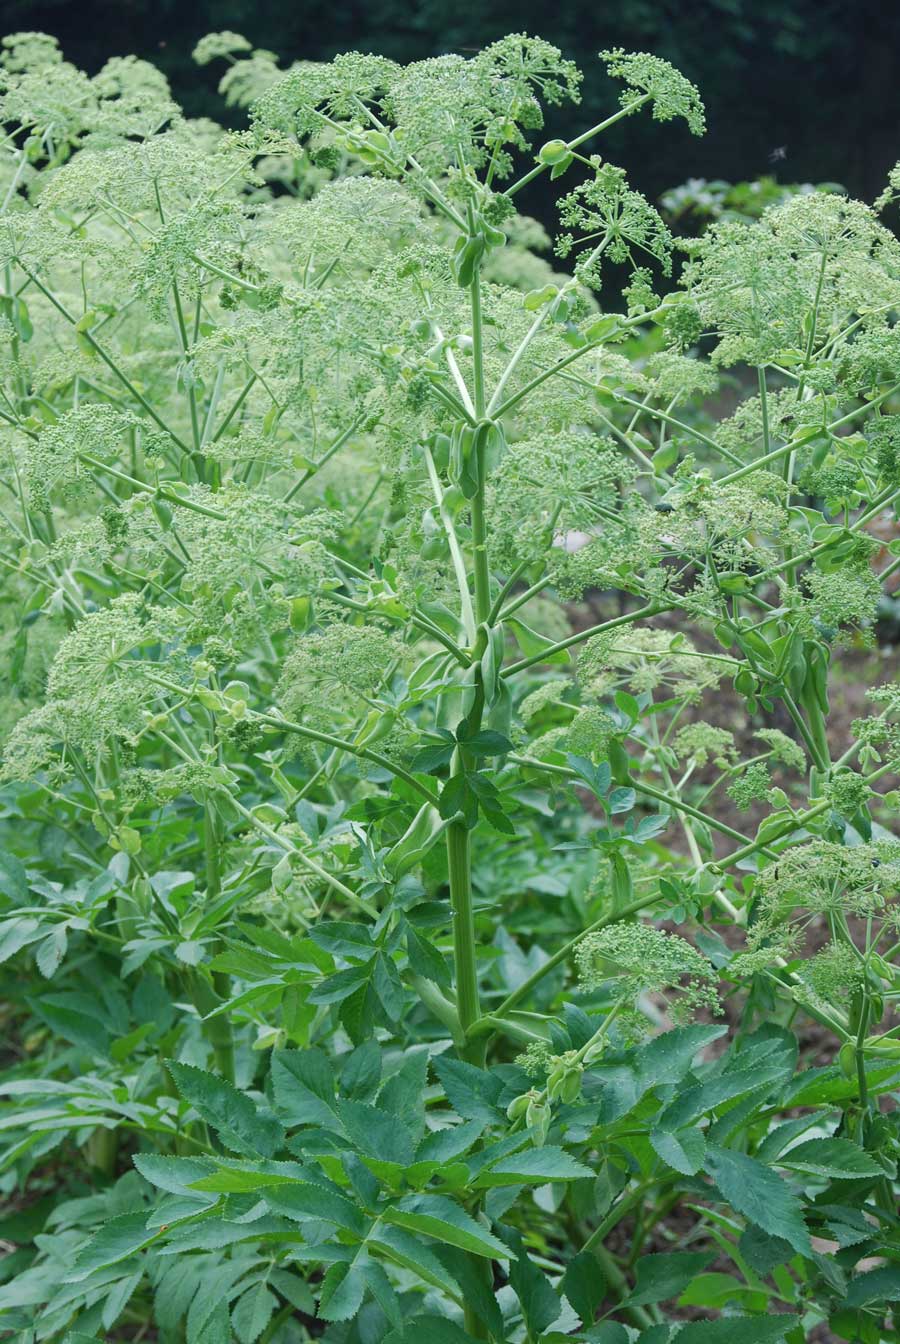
(488, 743)
(532, 644)
(230, 1175)
(737, 1330)
(443, 1145)
(381, 1289)
(342, 1292)
(252, 1313)
(763, 1252)
(438, 1217)
(878, 1285)
(433, 1329)
(473, 1093)
(668, 1057)
(117, 1240)
(292, 1288)
(344, 939)
(13, 878)
(413, 1254)
(427, 960)
(476, 1288)
(621, 800)
(716, 1291)
(838, 1158)
(456, 796)
(534, 1165)
(403, 1094)
(303, 1203)
(431, 759)
(684, 1150)
(361, 1072)
(376, 1134)
(342, 985)
(759, 1194)
(207, 1319)
(816, 1087)
(538, 1299)
(74, 1018)
(175, 1175)
(628, 705)
(649, 827)
(51, 951)
(661, 1277)
(665, 457)
(240, 1125)
(18, 933)
(597, 777)
(584, 1286)
(303, 1085)
(387, 985)
(693, 1102)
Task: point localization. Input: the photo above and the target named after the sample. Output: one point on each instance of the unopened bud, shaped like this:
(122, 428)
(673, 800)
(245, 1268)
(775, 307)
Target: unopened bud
(554, 151)
(537, 1118)
(518, 1106)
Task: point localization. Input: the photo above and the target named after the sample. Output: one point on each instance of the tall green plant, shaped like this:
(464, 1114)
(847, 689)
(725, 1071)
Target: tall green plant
(332, 835)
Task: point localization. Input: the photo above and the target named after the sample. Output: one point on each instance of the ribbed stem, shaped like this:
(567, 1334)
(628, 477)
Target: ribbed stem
(467, 1000)
(218, 1029)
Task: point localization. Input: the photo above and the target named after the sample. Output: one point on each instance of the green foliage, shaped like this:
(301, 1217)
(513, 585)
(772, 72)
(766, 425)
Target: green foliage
(363, 905)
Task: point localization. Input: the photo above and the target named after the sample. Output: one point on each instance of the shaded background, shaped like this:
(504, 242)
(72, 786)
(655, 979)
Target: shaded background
(807, 90)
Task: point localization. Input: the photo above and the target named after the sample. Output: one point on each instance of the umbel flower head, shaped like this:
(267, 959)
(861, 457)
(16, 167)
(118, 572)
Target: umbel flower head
(218, 46)
(616, 221)
(834, 974)
(784, 751)
(670, 93)
(758, 284)
(646, 659)
(750, 786)
(341, 658)
(436, 110)
(822, 877)
(96, 686)
(648, 960)
(699, 741)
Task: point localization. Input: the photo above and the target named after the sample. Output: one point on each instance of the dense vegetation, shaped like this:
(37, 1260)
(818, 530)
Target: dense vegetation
(806, 88)
(396, 943)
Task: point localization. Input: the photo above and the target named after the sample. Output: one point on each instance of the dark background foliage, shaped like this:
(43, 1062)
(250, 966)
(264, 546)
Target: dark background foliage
(804, 89)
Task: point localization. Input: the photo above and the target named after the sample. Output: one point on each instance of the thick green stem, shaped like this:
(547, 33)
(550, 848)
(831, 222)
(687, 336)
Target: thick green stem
(479, 547)
(818, 727)
(218, 1029)
(862, 1081)
(467, 1001)
(459, 855)
(456, 555)
(813, 733)
(479, 529)
(617, 1281)
(102, 1149)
